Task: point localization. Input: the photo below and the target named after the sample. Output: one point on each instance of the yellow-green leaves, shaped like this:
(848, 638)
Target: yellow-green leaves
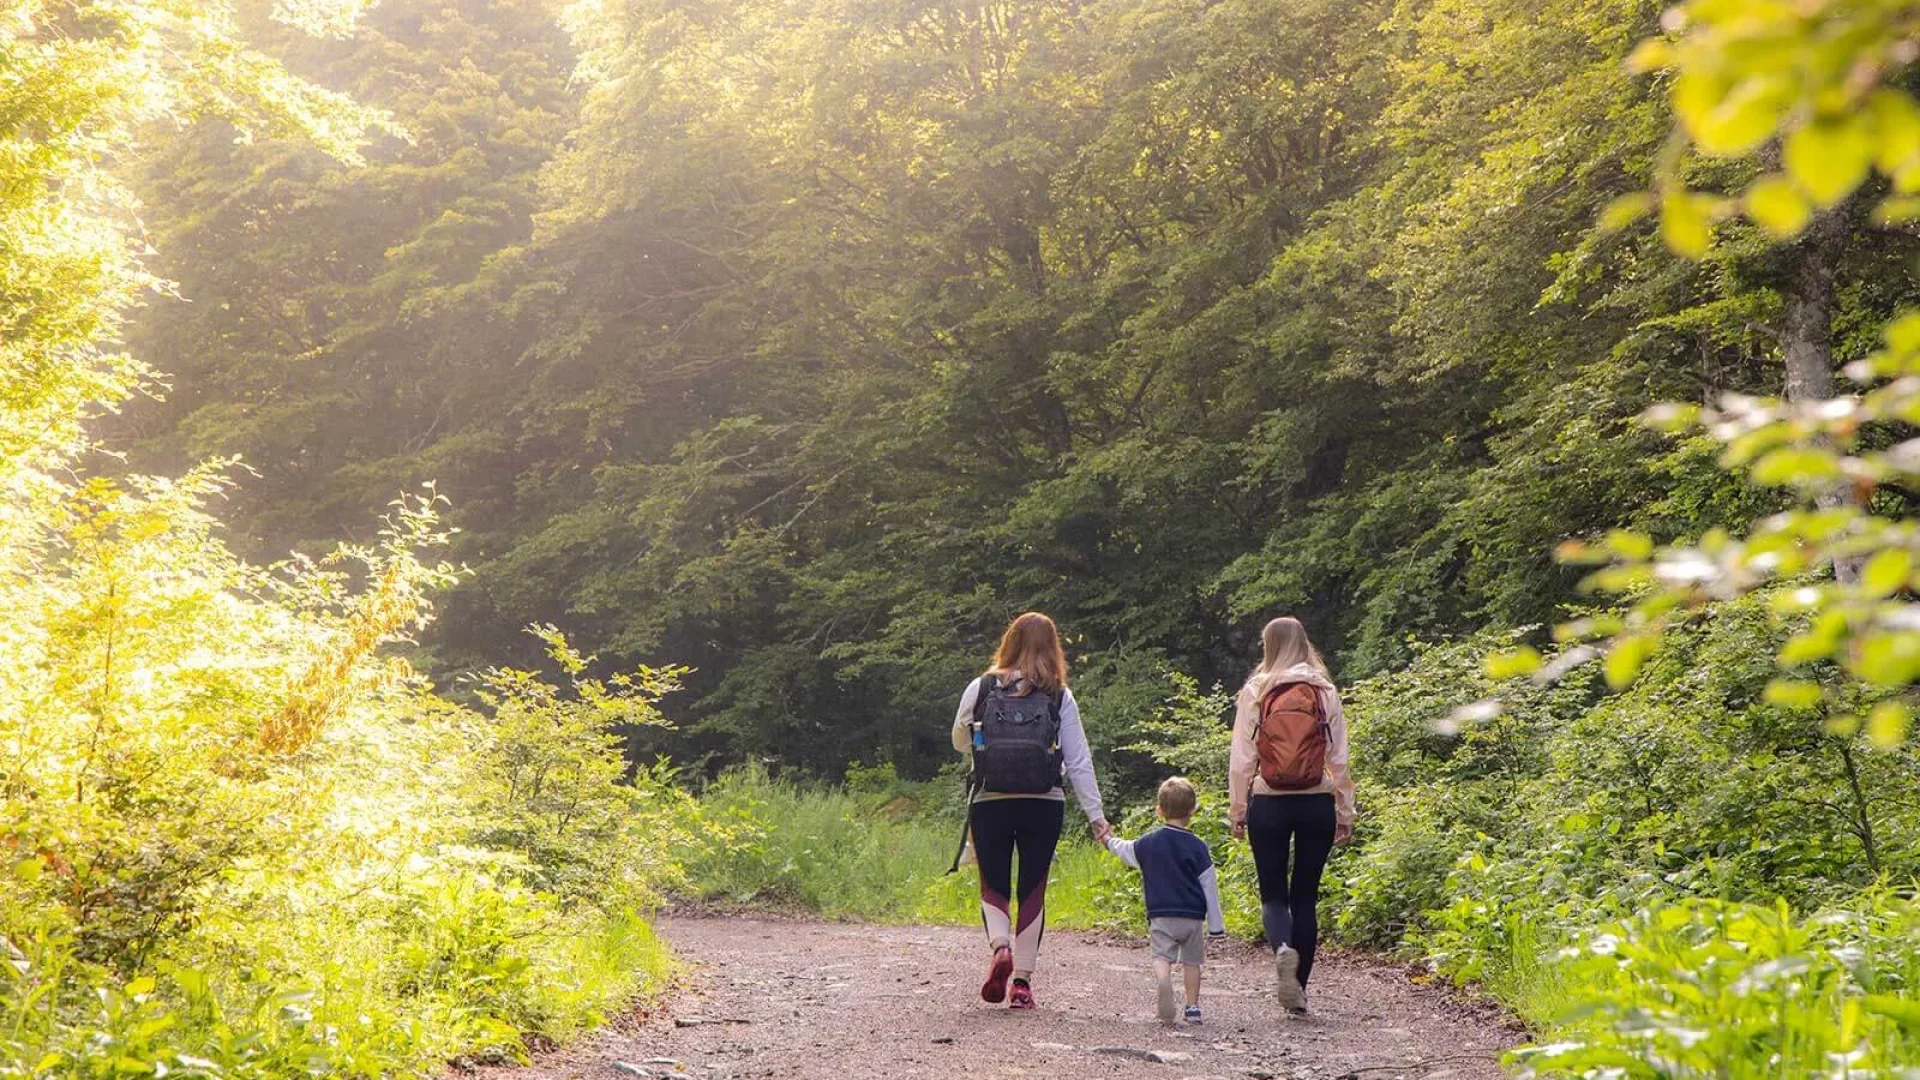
(1686, 222)
(1889, 723)
(1896, 131)
(1737, 121)
(1824, 80)
(1513, 663)
(1793, 694)
(1625, 658)
(1625, 210)
(1889, 658)
(1829, 158)
(1790, 466)
(1887, 572)
(1776, 205)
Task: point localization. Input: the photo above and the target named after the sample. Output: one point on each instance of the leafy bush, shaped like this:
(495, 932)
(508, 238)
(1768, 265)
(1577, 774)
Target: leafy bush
(242, 840)
(1706, 988)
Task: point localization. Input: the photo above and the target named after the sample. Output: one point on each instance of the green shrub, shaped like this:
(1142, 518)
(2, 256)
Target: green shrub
(237, 839)
(1714, 989)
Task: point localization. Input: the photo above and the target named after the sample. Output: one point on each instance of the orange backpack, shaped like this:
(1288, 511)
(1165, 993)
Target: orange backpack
(1292, 737)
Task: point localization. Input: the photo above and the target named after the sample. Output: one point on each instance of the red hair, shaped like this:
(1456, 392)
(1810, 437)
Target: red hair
(1031, 648)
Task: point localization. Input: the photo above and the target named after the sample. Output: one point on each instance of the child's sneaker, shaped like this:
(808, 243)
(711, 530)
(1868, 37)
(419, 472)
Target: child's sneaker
(1300, 1009)
(1168, 1012)
(1286, 975)
(1193, 1015)
(1022, 996)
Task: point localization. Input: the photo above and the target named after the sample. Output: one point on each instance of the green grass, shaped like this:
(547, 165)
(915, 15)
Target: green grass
(880, 855)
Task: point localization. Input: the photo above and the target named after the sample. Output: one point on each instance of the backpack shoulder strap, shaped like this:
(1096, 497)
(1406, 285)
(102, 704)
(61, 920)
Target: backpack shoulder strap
(985, 685)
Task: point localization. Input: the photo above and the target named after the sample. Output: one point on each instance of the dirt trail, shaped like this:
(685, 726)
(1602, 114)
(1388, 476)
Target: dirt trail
(810, 1001)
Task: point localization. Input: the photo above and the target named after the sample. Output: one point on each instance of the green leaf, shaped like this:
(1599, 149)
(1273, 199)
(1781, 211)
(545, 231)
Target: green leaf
(1903, 1011)
(1807, 648)
(1890, 659)
(1670, 417)
(1793, 693)
(1888, 723)
(1625, 210)
(1776, 205)
(1685, 224)
(1629, 545)
(1626, 657)
(1653, 54)
(1791, 466)
(29, 870)
(1887, 572)
(1903, 334)
(1513, 663)
(1829, 158)
(1896, 130)
(1741, 120)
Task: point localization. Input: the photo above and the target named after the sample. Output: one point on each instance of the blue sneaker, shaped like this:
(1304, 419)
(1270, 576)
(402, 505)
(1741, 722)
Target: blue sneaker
(1193, 1014)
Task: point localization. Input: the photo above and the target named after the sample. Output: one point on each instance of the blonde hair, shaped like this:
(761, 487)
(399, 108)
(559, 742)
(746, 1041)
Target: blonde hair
(1030, 648)
(1177, 799)
(1284, 644)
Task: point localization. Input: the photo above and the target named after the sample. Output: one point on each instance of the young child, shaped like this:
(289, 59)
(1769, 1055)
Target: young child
(1183, 893)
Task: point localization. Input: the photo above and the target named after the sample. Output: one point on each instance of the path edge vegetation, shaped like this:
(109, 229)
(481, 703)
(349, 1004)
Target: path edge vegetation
(245, 838)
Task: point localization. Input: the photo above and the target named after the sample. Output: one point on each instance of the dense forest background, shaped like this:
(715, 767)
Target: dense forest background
(804, 344)
(1557, 362)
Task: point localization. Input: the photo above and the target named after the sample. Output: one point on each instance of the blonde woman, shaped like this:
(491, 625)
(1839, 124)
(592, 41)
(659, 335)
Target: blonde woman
(1290, 793)
(1020, 727)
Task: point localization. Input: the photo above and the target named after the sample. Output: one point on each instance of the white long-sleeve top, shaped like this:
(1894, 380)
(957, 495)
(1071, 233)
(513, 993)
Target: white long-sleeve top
(1243, 769)
(1076, 755)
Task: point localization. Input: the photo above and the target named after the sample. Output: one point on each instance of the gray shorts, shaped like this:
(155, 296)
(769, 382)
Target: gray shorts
(1178, 941)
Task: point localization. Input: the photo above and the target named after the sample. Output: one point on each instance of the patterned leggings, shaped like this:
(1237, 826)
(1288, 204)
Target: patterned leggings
(1000, 828)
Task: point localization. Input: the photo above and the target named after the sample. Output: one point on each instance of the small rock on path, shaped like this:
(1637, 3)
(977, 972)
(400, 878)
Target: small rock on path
(814, 1001)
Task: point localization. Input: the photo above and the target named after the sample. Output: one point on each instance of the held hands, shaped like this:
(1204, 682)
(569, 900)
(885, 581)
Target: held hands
(1101, 831)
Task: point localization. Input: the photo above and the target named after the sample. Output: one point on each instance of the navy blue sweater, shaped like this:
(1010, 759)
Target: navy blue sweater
(1176, 870)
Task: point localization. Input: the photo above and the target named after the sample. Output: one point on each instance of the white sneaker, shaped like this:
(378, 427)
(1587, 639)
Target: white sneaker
(1168, 1012)
(1286, 986)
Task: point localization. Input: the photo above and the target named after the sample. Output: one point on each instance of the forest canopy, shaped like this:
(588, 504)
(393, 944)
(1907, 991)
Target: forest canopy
(744, 365)
(804, 343)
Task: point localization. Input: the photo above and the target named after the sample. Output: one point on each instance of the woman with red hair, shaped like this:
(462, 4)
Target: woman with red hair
(1020, 727)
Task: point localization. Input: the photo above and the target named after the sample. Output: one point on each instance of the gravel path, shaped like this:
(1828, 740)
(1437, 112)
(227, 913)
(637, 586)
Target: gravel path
(813, 1001)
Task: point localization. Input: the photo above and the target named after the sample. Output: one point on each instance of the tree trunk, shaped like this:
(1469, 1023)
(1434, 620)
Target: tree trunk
(1807, 336)
(1807, 333)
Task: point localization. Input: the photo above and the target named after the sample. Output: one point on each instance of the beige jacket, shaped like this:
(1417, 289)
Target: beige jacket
(1243, 768)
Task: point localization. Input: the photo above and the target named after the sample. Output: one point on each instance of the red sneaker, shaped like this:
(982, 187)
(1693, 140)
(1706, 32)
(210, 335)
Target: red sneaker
(1022, 997)
(994, 990)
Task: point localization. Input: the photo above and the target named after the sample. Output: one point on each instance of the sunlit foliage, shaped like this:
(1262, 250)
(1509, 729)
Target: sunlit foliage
(239, 836)
(803, 342)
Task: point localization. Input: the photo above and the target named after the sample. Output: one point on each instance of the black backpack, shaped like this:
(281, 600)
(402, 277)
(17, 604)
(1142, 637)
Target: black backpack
(1021, 736)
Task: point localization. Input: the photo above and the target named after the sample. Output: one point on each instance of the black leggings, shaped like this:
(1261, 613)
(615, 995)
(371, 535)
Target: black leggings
(1300, 826)
(1000, 827)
